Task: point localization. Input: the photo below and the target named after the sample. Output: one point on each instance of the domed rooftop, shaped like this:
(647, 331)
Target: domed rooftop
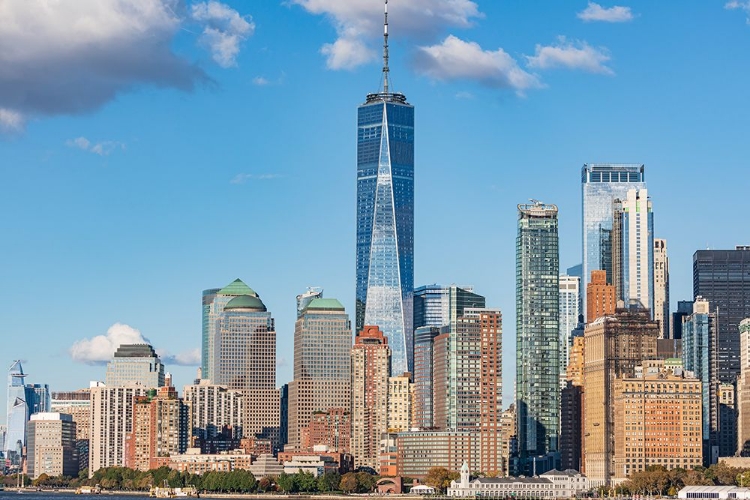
(245, 302)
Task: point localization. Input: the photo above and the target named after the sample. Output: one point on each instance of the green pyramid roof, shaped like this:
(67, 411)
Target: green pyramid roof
(245, 302)
(237, 287)
(325, 304)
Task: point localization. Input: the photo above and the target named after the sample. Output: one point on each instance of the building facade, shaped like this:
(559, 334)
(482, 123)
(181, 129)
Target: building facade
(399, 403)
(743, 391)
(215, 411)
(52, 445)
(537, 332)
(601, 184)
(370, 366)
(385, 220)
(601, 297)
(135, 364)
(552, 484)
(661, 287)
(570, 311)
(322, 364)
(633, 248)
(419, 451)
(17, 416)
(424, 342)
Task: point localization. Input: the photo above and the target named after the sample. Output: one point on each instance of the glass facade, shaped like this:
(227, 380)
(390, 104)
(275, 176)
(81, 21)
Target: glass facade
(537, 331)
(633, 248)
(135, 364)
(385, 222)
(18, 414)
(601, 184)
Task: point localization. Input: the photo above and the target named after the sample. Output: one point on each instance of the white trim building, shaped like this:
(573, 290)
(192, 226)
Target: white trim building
(552, 484)
(714, 492)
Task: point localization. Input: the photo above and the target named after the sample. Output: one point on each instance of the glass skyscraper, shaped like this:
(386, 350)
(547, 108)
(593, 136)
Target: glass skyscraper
(633, 248)
(537, 333)
(18, 414)
(385, 221)
(601, 184)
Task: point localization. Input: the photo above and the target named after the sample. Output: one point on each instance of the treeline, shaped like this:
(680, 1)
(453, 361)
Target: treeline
(657, 480)
(238, 481)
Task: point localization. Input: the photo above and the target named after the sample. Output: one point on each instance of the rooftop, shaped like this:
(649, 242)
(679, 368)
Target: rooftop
(135, 351)
(237, 287)
(246, 302)
(325, 305)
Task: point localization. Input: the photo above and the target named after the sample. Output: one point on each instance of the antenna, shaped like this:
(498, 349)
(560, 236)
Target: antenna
(385, 50)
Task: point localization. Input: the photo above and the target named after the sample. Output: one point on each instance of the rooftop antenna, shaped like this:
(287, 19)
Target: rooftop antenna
(385, 50)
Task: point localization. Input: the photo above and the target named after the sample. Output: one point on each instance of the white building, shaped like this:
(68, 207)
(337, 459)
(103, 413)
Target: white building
(718, 492)
(570, 309)
(552, 484)
(317, 465)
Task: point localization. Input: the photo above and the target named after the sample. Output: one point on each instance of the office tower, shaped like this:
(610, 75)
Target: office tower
(18, 414)
(614, 345)
(570, 310)
(332, 429)
(633, 248)
(600, 297)
(214, 300)
(284, 416)
(52, 445)
(135, 364)
(743, 391)
(322, 363)
(111, 421)
(424, 337)
(161, 428)
(537, 333)
(602, 183)
(722, 277)
(304, 299)
(661, 286)
(216, 411)
(662, 405)
(399, 403)
(245, 359)
(385, 217)
(77, 404)
(371, 360)
(684, 308)
(38, 398)
(437, 305)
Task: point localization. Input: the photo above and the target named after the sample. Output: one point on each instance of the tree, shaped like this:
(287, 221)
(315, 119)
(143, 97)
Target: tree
(365, 482)
(287, 483)
(307, 482)
(348, 483)
(329, 481)
(265, 485)
(440, 478)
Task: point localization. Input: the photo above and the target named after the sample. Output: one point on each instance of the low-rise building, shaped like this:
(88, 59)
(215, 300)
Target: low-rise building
(419, 451)
(344, 461)
(317, 465)
(552, 484)
(194, 463)
(266, 466)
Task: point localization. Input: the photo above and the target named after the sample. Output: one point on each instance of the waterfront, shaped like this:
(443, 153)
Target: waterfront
(60, 495)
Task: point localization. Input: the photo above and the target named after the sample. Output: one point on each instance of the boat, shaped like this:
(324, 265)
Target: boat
(167, 492)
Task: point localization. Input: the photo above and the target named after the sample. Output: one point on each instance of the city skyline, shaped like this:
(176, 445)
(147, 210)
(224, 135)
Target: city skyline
(135, 196)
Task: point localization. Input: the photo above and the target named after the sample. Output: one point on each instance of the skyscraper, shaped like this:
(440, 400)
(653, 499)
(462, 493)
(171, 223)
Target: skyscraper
(245, 359)
(438, 305)
(135, 364)
(537, 332)
(743, 391)
(602, 183)
(722, 277)
(570, 310)
(661, 286)
(322, 363)
(52, 445)
(633, 248)
(18, 414)
(214, 300)
(385, 217)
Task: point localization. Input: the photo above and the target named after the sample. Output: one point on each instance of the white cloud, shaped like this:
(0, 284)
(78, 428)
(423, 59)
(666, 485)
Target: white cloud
(191, 357)
(578, 55)
(224, 31)
(456, 59)
(243, 178)
(359, 24)
(103, 148)
(73, 57)
(735, 4)
(261, 81)
(595, 12)
(101, 348)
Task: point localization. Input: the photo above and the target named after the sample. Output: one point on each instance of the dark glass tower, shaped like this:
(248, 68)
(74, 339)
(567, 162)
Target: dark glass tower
(385, 217)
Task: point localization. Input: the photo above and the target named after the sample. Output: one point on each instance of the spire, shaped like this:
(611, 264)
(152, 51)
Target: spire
(385, 50)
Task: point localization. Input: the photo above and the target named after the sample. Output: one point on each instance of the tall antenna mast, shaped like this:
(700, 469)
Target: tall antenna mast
(385, 50)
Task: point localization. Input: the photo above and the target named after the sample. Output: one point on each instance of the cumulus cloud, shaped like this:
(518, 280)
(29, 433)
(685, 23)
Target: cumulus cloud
(100, 349)
(224, 31)
(734, 5)
(66, 58)
(456, 59)
(359, 25)
(191, 357)
(571, 55)
(595, 12)
(103, 148)
(243, 178)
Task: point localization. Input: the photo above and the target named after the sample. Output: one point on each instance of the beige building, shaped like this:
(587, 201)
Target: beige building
(51, 445)
(322, 364)
(507, 432)
(661, 286)
(193, 462)
(214, 409)
(614, 346)
(657, 421)
(399, 403)
(576, 364)
(370, 364)
(743, 391)
(77, 404)
(419, 451)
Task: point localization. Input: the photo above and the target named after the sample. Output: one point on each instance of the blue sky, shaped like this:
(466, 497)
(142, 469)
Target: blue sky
(151, 150)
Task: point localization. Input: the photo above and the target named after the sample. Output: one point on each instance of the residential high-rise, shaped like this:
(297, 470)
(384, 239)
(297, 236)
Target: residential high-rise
(722, 277)
(602, 183)
(52, 445)
(332, 428)
(385, 217)
(661, 286)
(370, 366)
(216, 411)
(537, 333)
(322, 363)
(399, 403)
(77, 404)
(600, 297)
(743, 391)
(614, 345)
(214, 300)
(18, 414)
(633, 248)
(424, 338)
(570, 310)
(135, 364)
(245, 359)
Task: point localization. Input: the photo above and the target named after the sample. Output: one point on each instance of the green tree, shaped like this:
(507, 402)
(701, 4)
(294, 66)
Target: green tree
(329, 481)
(287, 483)
(348, 483)
(440, 478)
(366, 482)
